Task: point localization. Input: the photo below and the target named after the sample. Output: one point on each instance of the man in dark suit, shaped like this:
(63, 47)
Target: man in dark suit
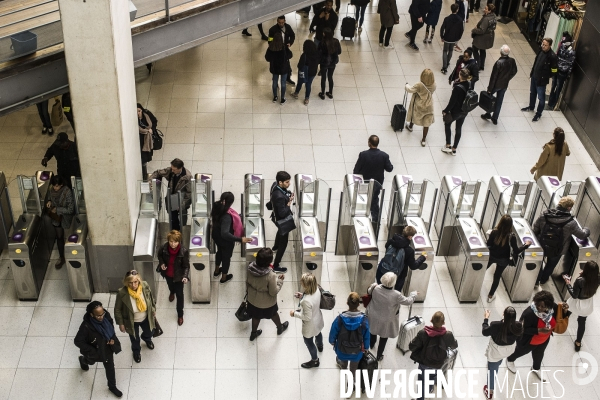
(281, 199)
(371, 164)
(281, 28)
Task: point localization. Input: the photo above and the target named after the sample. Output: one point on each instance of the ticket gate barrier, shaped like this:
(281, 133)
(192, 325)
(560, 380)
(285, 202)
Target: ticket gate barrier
(505, 196)
(253, 202)
(29, 247)
(418, 279)
(549, 192)
(313, 197)
(76, 255)
(202, 199)
(467, 259)
(6, 215)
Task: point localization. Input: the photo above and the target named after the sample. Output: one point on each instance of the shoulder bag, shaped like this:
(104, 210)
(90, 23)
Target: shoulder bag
(157, 329)
(242, 312)
(562, 321)
(327, 299)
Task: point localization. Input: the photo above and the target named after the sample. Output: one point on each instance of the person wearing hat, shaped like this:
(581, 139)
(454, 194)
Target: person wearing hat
(67, 157)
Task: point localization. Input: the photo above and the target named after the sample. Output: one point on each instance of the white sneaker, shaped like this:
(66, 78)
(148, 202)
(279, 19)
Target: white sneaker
(490, 299)
(359, 29)
(511, 366)
(389, 46)
(380, 44)
(447, 150)
(407, 126)
(538, 373)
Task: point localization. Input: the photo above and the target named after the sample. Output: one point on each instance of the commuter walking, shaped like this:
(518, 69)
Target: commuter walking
(60, 208)
(42, 108)
(503, 341)
(262, 286)
(135, 308)
(326, 18)
(262, 32)
(67, 157)
(371, 164)
(483, 35)
(582, 294)
(227, 229)
(429, 348)
(98, 342)
(146, 142)
(400, 242)
(281, 201)
(309, 312)
(466, 61)
(503, 250)
(553, 157)
(68, 109)
(174, 261)
(554, 229)
(505, 68)
(474, 6)
(383, 311)
(539, 320)
(388, 15)
(329, 52)
(454, 112)
(451, 31)
(432, 19)
(281, 28)
(361, 7)
(179, 181)
(278, 57)
(544, 67)
(565, 59)
(420, 110)
(307, 69)
(418, 11)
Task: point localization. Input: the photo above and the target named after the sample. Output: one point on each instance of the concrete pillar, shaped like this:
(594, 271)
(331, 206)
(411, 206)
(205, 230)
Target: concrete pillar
(97, 39)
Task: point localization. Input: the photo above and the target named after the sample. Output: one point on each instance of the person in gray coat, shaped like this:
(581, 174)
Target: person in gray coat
(309, 311)
(61, 209)
(383, 310)
(560, 216)
(483, 35)
(388, 14)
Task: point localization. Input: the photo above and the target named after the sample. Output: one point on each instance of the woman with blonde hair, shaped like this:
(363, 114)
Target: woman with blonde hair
(553, 157)
(420, 110)
(135, 308)
(309, 312)
(174, 266)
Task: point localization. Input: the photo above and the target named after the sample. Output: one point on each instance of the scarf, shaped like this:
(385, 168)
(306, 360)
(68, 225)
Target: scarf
(546, 317)
(58, 197)
(255, 270)
(433, 331)
(104, 327)
(138, 295)
(238, 228)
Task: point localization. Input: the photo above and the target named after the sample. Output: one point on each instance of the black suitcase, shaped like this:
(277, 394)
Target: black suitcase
(487, 101)
(348, 26)
(368, 363)
(399, 115)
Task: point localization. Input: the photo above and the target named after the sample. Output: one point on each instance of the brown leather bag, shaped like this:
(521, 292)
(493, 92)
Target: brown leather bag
(55, 216)
(562, 321)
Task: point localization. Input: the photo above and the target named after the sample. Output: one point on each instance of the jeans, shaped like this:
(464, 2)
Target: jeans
(327, 73)
(580, 327)
(44, 115)
(146, 335)
(538, 92)
(421, 380)
(447, 54)
(176, 288)
(344, 364)
(499, 99)
(415, 26)
(497, 274)
(308, 80)
(388, 34)
(109, 369)
(283, 79)
(537, 353)
(382, 343)
(310, 344)
(448, 127)
(60, 240)
(492, 372)
(427, 31)
(546, 271)
(479, 55)
(361, 10)
(224, 254)
(557, 84)
(281, 243)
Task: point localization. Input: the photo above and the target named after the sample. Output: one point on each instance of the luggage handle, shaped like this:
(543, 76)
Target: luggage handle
(404, 104)
(410, 312)
(348, 8)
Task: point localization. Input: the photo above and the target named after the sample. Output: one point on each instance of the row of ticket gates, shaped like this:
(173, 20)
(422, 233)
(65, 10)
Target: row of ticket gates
(460, 238)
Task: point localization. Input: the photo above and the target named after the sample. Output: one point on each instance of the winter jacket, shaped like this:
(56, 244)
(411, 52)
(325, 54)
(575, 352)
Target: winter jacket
(67, 160)
(388, 13)
(457, 98)
(310, 314)
(559, 216)
(372, 163)
(530, 324)
(352, 320)
(471, 65)
(182, 262)
(419, 8)
(499, 252)
(505, 68)
(124, 309)
(398, 241)
(311, 62)
(183, 184)
(433, 15)
(420, 342)
(485, 32)
(420, 110)
(383, 310)
(549, 163)
(452, 28)
(222, 232)
(278, 61)
(92, 345)
(329, 60)
(319, 24)
(65, 207)
(543, 70)
(262, 286)
(494, 330)
(566, 58)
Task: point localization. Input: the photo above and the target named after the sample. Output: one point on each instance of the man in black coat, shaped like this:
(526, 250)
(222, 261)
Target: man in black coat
(504, 70)
(281, 201)
(281, 28)
(451, 31)
(67, 157)
(98, 342)
(418, 11)
(325, 18)
(371, 164)
(544, 67)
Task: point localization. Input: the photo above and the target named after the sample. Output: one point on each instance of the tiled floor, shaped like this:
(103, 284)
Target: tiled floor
(214, 105)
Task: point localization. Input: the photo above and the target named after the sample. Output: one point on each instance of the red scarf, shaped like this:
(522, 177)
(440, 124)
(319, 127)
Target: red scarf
(170, 272)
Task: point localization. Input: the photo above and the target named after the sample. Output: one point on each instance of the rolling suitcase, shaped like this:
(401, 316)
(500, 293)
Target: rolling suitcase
(369, 363)
(399, 115)
(348, 26)
(487, 101)
(450, 360)
(408, 330)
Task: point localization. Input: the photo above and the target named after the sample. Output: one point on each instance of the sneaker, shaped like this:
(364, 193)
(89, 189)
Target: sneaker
(380, 358)
(306, 102)
(116, 392)
(454, 152)
(430, 40)
(281, 270)
(389, 46)
(45, 130)
(339, 365)
(380, 44)
(329, 94)
(511, 366)
(83, 364)
(283, 327)
(447, 150)
(321, 96)
(444, 71)
(536, 118)
(407, 126)
(577, 346)
(425, 40)
(413, 46)
(486, 116)
(423, 142)
(59, 263)
(295, 95)
(490, 299)
(227, 279)
(311, 364)
(254, 335)
(50, 131)
(283, 101)
(406, 35)
(275, 99)
(494, 121)
(538, 373)
(291, 82)
(487, 393)
(526, 109)
(359, 29)
(246, 33)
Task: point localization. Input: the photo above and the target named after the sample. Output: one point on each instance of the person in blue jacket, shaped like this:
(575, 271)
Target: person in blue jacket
(348, 346)
(432, 18)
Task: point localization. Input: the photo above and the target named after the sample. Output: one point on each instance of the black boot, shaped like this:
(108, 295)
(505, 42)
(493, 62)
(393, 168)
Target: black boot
(281, 328)
(255, 334)
(116, 391)
(246, 33)
(311, 364)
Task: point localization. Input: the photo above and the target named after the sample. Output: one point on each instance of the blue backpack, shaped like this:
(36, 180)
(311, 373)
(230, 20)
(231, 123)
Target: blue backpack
(393, 261)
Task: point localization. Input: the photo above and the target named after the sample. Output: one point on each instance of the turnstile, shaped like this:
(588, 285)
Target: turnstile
(76, 255)
(30, 246)
(253, 202)
(312, 219)
(202, 199)
(549, 192)
(505, 196)
(357, 233)
(6, 216)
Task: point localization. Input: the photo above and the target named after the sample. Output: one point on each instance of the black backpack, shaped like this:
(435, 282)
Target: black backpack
(471, 100)
(350, 342)
(435, 350)
(552, 237)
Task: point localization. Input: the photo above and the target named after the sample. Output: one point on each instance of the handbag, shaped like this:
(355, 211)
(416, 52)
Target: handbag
(327, 299)
(366, 299)
(285, 225)
(157, 139)
(157, 329)
(562, 321)
(448, 118)
(57, 117)
(242, 312)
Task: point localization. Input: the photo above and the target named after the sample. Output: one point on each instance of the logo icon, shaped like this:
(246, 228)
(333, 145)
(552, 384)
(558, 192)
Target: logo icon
(585, 368)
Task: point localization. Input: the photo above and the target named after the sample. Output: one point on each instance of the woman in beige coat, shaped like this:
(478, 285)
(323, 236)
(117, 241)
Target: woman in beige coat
(309, 311)
(552, 159)
(420, 110)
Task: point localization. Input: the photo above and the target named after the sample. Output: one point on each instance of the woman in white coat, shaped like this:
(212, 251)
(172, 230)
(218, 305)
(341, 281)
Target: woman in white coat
(383, 311)
(312, 318)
